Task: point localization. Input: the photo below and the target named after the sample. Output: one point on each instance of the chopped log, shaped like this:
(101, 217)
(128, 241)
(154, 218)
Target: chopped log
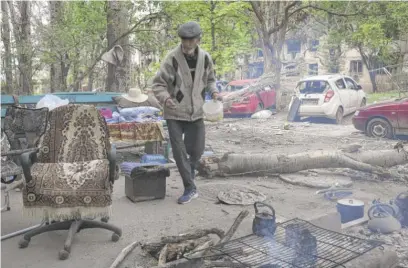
(177, 250)
(163, 256)
(240, 164)
(194, 235)
(182, 263)
(200, 251)
(122, 255)
(153, 248)
(242, 215)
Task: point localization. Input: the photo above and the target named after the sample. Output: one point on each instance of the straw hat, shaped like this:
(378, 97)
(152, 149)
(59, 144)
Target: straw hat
(135, 95)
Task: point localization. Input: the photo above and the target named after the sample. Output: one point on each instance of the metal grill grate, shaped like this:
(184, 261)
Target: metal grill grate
(297, 243)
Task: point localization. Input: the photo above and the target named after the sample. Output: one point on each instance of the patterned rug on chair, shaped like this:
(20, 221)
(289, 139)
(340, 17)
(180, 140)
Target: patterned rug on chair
(71, 176)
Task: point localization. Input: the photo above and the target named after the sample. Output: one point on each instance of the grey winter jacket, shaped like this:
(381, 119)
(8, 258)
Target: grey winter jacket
(168, 82)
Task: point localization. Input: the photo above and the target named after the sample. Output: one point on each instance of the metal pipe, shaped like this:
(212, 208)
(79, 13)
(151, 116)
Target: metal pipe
(23, 231)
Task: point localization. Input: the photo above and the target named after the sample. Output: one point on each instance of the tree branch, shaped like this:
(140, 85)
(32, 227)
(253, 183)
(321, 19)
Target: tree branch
(257, 12)
(334, 13)
(286, 17)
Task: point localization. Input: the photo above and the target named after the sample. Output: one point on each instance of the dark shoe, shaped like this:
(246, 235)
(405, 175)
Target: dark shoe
(187, 197)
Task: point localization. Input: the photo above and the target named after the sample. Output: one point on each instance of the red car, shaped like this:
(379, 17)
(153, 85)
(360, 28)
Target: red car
(383, 120)
(249, 102)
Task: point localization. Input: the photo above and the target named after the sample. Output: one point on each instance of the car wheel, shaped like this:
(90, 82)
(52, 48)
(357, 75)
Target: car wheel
(379, 128)
(363, 103)
(339, 116)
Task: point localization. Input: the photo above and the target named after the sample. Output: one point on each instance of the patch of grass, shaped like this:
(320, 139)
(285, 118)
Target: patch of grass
(382, 96)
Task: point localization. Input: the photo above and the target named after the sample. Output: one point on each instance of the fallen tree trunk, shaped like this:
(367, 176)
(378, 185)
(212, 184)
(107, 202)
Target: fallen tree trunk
(247, 164)
(382, 158)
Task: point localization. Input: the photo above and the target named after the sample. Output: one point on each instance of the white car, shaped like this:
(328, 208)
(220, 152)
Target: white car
(330, 96)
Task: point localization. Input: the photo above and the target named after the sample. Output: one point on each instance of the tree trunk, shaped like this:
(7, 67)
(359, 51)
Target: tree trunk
(272, 18)
(118, 78)
(75, 71)
(373, 81)
(57, 68)
(25, 57)
(5, 37)
(90, 81)
(268, 54)
(367, 61)
(212, 9)
(22, 32)
(239, 164)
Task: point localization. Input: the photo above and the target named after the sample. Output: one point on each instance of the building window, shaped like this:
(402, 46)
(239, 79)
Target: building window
(356, 67)
(260, 53)
(313, 69)
(293, 46)
(314, 44)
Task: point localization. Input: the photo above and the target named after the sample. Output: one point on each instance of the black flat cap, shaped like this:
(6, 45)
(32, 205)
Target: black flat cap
(189, 30)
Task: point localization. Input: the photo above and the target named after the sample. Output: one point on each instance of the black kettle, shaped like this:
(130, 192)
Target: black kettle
(264, 223)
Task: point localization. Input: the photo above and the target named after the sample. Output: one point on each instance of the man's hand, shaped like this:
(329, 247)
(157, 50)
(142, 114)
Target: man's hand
(169, 103)
(216, 96)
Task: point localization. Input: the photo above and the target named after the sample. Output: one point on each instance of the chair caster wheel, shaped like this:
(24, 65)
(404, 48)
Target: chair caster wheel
(23, 243)
(105, 219)
(63, 254)
(115, 237)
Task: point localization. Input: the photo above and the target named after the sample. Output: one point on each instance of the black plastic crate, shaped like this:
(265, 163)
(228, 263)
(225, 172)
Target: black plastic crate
(146, 183)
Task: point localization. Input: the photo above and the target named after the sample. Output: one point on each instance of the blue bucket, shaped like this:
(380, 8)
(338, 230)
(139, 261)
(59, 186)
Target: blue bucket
(350, 209)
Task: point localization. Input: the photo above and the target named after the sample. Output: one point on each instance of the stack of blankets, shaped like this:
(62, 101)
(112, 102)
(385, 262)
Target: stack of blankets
(143, 114)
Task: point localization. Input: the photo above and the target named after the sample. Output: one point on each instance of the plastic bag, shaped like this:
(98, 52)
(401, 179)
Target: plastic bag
(264, 114)
(213, 111)
(51, 102)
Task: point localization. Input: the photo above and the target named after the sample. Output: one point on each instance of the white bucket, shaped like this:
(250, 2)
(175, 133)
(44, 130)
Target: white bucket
(213, 111)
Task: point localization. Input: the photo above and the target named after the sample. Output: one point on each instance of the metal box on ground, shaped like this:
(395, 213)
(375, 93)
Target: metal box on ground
(146, 183)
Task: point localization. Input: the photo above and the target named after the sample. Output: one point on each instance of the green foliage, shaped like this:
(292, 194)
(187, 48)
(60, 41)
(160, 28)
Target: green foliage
(82, 25)
(227, 29)
(373, 28)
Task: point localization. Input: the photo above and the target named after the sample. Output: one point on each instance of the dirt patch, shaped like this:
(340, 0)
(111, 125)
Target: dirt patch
(148, 220)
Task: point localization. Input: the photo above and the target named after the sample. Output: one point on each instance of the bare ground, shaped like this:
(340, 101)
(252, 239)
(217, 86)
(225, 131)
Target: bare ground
(149, 220)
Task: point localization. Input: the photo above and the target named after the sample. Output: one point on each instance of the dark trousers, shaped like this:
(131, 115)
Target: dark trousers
(193, 146)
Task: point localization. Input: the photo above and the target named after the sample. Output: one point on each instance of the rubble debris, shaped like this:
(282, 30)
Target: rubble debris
(319, 180)
(352, 148)
(395, 242)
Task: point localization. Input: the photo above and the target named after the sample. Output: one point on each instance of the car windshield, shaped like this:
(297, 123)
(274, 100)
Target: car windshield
(314, 86)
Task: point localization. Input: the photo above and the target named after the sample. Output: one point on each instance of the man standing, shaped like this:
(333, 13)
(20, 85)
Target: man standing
(180, 85)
